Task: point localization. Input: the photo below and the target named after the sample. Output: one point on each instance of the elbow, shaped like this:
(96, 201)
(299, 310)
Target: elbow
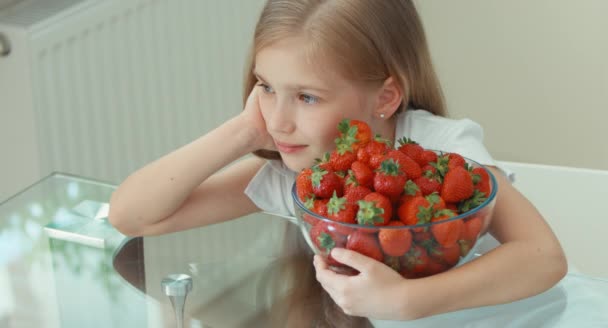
(559, 267)
(121, 222)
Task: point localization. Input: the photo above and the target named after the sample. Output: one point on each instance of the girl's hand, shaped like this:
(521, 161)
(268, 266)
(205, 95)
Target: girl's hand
(253, 119)
(377, 291)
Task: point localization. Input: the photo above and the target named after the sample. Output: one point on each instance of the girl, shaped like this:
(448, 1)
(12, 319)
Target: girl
(313, 63)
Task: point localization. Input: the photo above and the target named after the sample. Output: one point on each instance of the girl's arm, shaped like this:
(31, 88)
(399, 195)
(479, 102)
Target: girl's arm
(529, 261)
(182, 189)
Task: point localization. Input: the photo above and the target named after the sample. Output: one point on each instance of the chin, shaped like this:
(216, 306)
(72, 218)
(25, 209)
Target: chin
(297, 163)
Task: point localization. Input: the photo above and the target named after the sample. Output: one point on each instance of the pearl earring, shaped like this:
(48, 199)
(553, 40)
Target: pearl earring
(381, 115)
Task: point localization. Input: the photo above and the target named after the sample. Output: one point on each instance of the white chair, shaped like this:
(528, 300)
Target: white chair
(572, 202)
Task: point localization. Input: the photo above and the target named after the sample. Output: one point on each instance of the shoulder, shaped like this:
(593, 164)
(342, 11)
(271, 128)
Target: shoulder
(270, 188)
(433, 131)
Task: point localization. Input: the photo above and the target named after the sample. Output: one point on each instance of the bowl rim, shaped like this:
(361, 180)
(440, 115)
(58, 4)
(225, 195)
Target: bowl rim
(294, 196)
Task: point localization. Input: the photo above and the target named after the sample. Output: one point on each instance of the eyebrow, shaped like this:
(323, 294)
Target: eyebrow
(293, 86)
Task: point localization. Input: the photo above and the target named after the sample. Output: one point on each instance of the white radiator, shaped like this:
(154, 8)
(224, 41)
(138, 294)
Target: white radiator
(113, 84)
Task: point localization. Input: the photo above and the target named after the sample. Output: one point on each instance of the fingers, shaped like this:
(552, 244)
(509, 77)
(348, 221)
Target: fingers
(353, 259)
(328, 279)
(252, 100)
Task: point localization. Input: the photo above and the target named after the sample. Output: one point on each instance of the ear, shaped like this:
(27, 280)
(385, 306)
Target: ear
(389, 98)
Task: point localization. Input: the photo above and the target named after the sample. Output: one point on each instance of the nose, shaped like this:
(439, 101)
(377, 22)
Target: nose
(281, 118)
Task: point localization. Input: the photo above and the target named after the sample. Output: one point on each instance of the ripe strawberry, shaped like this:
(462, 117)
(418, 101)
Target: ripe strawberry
(414, 262)
(417, 211)
(428, 185)
(354, 194)
(375, 161)
(457, 185)
(410, 191)
(447, 255)
(376, 146)
(455, 160)
(481, 180)
(434, 267)
(362, 173)
(429, 171)
(389, 179)
(325, 182)
(395, 242)
(343, 156)
(407, 165)
(304, 185)
(446, 233)
(339, 210)
(375, 209)
(326, 239)
(422, 235)
(412, 149)
(320, 206)
(428, 156)
(472, 228)
(354, 133)
(366, 244)
(323, 162)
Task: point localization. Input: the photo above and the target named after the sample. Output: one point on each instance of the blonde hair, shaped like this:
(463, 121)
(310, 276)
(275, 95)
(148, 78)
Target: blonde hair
(365, 40)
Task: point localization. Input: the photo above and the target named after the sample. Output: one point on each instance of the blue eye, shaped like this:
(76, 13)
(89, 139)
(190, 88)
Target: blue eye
(266, 88)
(308, 99)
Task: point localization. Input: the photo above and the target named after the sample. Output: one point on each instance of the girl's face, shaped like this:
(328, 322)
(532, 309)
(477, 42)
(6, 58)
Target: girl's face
(302, 105)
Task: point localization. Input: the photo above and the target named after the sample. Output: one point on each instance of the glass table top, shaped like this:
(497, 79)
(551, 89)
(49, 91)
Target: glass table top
(63, 265)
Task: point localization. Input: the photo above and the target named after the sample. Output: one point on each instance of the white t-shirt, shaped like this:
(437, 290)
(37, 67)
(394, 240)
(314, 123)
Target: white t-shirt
(270, 188)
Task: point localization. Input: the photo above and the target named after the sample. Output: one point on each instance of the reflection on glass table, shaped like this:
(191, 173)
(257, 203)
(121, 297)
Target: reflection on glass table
(63, 265)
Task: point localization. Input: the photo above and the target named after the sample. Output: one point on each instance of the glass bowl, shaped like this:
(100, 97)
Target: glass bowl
(415, 251)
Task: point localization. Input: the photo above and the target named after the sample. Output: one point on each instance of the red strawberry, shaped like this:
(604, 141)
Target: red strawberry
(320, 206)
(375, 161)
(323, 162)
(457, 185)
(389, 179)
(422, 235)
(354, 133)
(339, 210)
(356, 193)
(376, 146)
(472, 228)
(434, 267)
(417, 211)
(366, 244)
(446, 233)
(415, 262)
(326, 239)
(455, 160)
(304, 185)
(429, 170)
(325, 182)
(375, 209)
(413, 150)
(395, 242)
(342, 158)
(428, 156)
(407, 165)
(482, 180)
(410, 191)
(428, 185)
(447, 255)
(362, 173)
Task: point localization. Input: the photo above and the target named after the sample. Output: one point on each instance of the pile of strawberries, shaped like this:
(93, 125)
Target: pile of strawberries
(369, 184)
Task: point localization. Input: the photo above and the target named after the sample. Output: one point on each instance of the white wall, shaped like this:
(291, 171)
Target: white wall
(6, 3)
(533, 73)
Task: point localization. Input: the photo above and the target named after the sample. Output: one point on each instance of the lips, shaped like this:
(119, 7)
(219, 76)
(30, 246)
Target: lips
(289, 148)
